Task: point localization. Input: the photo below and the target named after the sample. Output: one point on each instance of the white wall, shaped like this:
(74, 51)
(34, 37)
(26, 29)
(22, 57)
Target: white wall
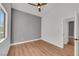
(77, 33)
(52, 21)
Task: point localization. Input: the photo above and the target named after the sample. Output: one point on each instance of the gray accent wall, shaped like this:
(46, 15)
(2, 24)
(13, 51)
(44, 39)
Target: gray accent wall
(25, 26)
(5, 45)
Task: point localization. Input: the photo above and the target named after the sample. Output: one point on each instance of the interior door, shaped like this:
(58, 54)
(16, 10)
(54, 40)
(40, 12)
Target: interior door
(76, 34)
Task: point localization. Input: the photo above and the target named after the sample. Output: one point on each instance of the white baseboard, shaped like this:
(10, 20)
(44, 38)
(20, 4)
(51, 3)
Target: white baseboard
(52, 43)
(25, 42)
(34, 40)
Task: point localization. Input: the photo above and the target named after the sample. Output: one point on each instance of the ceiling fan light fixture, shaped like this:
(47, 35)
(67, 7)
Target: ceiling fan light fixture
(39, 6)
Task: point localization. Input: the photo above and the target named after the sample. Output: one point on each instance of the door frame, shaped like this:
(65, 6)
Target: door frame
(76, 50)
(66, 28)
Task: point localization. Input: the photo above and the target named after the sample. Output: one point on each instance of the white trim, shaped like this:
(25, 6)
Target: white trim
(66, 20)
(1, 40)
(51, 43)
(25, 42)
(34, 40)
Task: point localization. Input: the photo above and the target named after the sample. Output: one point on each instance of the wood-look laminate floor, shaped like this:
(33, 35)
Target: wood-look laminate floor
(40, 48)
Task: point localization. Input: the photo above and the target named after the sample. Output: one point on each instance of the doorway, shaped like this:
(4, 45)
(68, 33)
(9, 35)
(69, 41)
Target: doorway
(71, 33)
(68, 34)
(68, 30)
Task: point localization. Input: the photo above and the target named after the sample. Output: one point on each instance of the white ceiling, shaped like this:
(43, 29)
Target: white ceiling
(27, 8)
(50, 6)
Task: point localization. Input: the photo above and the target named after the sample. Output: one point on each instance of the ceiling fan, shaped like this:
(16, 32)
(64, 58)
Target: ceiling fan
(38, 5)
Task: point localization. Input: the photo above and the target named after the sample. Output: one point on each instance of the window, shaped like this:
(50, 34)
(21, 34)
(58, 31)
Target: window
(2, 24)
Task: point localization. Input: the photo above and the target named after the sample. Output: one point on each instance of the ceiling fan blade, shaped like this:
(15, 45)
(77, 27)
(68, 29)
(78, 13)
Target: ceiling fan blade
(42, 4)
(32, 4)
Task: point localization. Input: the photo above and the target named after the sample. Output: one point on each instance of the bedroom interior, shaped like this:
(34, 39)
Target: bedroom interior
(39, 29)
